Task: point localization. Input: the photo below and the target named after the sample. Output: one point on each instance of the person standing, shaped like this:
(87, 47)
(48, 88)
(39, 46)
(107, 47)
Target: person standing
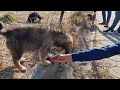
(115, 22)
(106, 18)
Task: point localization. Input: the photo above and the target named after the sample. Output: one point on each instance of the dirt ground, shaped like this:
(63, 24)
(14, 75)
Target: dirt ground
(75, 70)
(89, 69)
(7, 69)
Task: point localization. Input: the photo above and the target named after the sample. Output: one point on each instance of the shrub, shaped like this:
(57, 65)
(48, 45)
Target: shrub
(6, 18)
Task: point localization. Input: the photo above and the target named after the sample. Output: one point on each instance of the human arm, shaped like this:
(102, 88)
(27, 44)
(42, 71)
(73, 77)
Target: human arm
(97, 53)
(89, 55)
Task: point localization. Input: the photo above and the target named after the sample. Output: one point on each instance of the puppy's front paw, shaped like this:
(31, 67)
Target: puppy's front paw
(23, 69)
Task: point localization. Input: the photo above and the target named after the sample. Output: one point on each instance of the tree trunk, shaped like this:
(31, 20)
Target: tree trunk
(61, 16)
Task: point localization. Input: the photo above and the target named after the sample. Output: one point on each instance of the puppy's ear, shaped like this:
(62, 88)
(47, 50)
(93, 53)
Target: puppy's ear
(1, 26)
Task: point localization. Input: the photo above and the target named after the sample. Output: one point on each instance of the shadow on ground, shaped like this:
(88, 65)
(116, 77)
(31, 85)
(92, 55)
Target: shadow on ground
(8, 73)
(109, 36)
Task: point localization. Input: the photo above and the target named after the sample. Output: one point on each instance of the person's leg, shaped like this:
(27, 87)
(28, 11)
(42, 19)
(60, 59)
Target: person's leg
(115, 22)
(108, 18)
(118, 30)
(104, 18)
(118, 16)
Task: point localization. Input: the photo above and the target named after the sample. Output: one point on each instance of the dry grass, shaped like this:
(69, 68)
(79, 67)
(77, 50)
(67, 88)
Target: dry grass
(7, 70)
(51, 19)
(81, 70)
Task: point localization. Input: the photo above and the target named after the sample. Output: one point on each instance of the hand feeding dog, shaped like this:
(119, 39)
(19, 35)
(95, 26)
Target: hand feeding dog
(31, 38)
(55, 50)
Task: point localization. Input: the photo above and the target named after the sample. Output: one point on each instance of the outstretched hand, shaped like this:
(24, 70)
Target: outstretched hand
(61, 58)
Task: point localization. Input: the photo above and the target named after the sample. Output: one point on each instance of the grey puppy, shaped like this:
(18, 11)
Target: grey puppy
(30, 38)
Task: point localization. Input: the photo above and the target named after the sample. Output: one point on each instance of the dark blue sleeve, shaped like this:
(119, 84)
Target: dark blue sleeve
(97, 53)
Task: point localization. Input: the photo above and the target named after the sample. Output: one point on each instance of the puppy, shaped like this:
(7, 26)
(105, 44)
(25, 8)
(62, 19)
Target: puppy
(20, 39)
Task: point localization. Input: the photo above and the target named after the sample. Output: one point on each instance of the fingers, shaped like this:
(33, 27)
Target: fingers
(53, 57)
(57, 60)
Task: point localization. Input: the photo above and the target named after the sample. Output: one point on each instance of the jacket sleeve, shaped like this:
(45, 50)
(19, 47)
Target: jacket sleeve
(97, 53)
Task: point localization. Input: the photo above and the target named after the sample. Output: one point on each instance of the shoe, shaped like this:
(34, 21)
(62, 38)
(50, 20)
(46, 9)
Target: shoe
(118, 30)
(103, 23)
(108, 31)
(106, 24)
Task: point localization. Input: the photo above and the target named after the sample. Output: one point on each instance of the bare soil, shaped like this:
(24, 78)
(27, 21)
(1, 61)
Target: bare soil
(77, 70)
(7, 69)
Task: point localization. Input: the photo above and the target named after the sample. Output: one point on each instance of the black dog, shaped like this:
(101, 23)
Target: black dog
(34, 18)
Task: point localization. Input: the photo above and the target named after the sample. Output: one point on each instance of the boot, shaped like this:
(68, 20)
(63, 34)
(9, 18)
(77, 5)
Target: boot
(118, 30)
(106, 24)
(103, 23)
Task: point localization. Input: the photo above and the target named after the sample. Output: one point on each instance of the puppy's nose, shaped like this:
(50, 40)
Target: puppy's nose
(47, 58)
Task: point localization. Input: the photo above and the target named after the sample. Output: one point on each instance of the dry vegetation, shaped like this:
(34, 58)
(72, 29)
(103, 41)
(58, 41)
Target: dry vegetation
(51, 18)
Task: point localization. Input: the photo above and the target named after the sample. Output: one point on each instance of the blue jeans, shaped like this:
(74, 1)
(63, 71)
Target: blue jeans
(108, 16)
(116, 20)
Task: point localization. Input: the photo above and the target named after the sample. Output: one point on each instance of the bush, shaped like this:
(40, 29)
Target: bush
(6, 18)
(77, 17)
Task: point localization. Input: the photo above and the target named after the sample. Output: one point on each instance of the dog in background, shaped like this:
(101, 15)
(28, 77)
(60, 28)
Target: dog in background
(91, 18)
(34, 18)
(30, 38)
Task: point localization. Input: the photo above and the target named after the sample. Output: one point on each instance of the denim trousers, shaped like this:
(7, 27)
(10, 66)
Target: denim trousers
(108, 15)
(116, 20)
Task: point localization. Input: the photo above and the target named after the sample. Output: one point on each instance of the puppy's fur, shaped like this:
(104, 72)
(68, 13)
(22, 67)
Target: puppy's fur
(31, 38)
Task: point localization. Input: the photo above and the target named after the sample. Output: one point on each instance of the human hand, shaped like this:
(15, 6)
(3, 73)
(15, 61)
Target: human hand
(61, 58)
